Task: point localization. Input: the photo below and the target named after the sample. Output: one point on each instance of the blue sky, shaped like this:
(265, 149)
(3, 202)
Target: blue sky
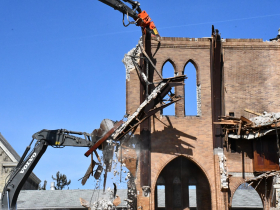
(60, 63)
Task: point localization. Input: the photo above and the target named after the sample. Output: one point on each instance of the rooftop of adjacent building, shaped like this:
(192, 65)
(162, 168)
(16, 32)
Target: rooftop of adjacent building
(57, 199)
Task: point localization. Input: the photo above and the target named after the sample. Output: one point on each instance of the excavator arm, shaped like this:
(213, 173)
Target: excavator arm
(140, 17)
(19, 175)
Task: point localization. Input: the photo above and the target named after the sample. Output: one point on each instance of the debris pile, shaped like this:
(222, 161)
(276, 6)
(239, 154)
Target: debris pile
(249, 128)
(102, 204)
(266, 119)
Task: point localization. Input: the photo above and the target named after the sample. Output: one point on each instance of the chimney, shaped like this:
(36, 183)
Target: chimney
(279, 31)
(52, 186)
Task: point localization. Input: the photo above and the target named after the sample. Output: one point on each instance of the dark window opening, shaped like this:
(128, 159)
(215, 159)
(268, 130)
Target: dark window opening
(233, 146)
(177, 193)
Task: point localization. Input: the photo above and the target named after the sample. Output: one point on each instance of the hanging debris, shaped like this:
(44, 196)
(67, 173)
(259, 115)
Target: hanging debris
(262, 176)
(89, 171)
(131, 192)
(98, 172)
(150, 105)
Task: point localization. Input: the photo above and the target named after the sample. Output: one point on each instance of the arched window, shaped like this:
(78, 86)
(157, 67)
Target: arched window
(168, 71)
(246, 196)
(192, 91)
(185, 183)
(160, 193)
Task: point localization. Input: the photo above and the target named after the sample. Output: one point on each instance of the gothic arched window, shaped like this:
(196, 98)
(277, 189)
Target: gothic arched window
(192, 91)
(168, 71)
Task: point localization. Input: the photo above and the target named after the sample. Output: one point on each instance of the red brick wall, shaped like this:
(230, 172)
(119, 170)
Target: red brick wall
(251, 76)
(251, 73)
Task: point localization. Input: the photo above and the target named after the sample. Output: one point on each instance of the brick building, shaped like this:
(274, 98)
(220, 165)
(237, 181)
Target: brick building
(190, 152)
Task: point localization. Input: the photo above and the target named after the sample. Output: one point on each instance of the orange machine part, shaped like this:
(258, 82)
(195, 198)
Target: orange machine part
(146, 21)
(145, 18)
(152, 25)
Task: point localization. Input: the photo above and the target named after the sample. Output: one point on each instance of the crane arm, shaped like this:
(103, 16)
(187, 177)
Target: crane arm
(19, 175)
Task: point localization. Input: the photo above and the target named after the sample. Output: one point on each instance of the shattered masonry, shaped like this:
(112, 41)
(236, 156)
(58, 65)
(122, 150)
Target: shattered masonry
(223, 171)
(127, 60)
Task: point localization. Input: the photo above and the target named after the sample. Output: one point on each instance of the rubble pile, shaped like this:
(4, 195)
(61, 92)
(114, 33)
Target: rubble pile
(266, 119)
(102, 204)
(249, 128)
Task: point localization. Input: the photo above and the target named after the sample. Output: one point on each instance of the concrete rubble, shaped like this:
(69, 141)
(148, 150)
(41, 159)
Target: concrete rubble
(127, 60)
(266, 119)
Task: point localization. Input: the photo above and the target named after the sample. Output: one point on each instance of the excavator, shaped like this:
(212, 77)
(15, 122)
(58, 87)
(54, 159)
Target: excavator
(62, 137)
(55, 138)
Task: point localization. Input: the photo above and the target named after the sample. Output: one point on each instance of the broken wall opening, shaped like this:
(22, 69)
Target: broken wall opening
(185, 186)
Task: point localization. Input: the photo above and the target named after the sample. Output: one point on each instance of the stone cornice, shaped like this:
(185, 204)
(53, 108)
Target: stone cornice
(183, 46)
(251, 47)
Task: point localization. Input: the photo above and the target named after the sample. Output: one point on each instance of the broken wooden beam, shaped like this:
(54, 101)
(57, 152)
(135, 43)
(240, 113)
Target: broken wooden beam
(149, 106)
(88, 172)
(226, 123)
(247, 121)
(239, 129)
(252, 112)
(104, 138)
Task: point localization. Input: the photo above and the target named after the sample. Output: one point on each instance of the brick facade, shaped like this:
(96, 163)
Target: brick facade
(250, 77)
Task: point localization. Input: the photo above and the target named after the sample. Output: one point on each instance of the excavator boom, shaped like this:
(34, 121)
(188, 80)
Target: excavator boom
(140, 17)
(18, 176)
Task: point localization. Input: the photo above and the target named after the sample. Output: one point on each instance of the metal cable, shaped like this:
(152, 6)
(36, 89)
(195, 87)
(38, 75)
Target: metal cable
(129, 22)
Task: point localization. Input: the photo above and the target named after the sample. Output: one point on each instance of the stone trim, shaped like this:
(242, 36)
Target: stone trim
(183, 46)
(239, 174)
(8, 152)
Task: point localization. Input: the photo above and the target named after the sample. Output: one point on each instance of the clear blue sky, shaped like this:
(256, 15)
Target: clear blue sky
(60, 63)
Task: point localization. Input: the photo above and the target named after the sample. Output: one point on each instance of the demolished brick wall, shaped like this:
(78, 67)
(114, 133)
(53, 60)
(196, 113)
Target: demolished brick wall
(250, 75)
